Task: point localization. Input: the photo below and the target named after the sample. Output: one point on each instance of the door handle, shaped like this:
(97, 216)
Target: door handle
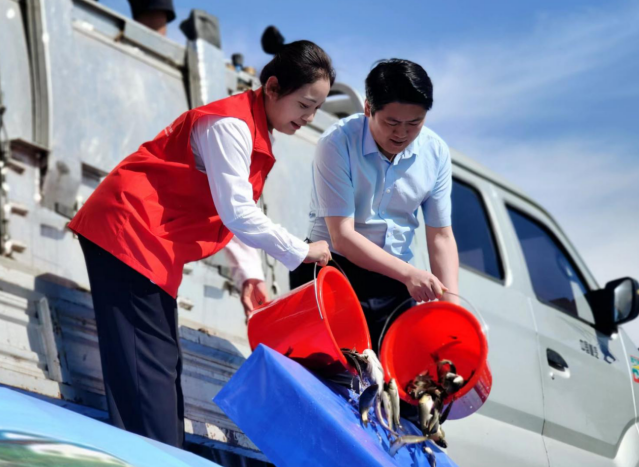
(556, 361)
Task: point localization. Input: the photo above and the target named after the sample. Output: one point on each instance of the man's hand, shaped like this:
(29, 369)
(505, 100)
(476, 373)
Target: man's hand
(424, 286)
(254, 295)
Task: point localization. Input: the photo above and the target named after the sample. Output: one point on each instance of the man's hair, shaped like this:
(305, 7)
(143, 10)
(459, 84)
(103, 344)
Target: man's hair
(398, 80)
(297, 64)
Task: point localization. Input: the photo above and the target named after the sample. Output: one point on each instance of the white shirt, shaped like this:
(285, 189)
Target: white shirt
(222, 147)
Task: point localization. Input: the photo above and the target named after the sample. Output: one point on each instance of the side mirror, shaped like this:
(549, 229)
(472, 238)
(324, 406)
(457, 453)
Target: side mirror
(616, 304)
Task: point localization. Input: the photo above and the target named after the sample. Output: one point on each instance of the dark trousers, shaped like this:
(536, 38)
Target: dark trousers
(139, 348)
(379, 295)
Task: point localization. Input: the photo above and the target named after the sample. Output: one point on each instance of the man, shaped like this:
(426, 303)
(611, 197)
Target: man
(371, 174)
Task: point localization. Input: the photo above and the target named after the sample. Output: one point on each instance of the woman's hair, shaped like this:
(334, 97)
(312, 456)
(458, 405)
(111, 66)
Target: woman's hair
(398, 80)
(297, 64)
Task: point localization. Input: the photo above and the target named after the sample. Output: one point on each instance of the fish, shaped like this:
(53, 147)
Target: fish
(421, 384)
(388, 408)
(452, 383)
(430, 455)
(439, 438)
(405, 440)
(441, 364)
(354, 359)
(433, 424)
(345, 379)
(374, 369)
(380, 415)
(425, 408)
(366, 401)
(393, 392)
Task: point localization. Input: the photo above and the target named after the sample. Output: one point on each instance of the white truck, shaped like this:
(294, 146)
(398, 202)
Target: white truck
(82, 86)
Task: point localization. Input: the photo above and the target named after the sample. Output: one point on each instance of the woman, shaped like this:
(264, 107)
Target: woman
(180, 198)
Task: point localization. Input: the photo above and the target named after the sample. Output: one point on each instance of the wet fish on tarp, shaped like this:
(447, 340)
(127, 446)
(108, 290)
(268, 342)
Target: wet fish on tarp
(430, 455)
(393, 392)
(439, 437)
(380, 416)
(347, 380)
(356, 360)
(366, 401)
(405, 440)
(374, 369)
(388, 409)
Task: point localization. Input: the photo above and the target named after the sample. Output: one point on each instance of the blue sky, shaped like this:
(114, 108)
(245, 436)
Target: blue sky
(544, 93)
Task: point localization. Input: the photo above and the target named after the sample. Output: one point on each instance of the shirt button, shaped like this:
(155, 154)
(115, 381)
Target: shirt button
(388, 190)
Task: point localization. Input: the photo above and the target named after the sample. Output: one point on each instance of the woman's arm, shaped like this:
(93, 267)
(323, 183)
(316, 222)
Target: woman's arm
(225, 147)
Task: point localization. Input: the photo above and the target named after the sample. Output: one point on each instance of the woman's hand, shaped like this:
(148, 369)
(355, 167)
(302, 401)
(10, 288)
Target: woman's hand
(254, 295)
(319, 253)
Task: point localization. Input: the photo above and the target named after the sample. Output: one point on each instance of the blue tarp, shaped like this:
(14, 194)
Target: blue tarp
(34, 432)
(296, 419)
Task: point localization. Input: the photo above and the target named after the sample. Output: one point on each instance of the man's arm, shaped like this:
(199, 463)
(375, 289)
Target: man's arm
(422, 285)
(444, 259)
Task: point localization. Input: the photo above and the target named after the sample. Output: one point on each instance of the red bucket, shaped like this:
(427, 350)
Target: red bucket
(313, 322)
(444, 331)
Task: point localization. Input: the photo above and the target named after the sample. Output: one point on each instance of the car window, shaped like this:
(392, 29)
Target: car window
(473, 232)
(555, 278)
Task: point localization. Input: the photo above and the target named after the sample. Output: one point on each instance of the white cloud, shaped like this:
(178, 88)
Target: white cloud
(515, 78)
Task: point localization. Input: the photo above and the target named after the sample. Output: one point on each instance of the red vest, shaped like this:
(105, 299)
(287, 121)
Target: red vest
(155, 211)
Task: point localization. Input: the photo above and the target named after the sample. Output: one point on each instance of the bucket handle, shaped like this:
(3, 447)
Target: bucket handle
(319, 308)
(474, 309)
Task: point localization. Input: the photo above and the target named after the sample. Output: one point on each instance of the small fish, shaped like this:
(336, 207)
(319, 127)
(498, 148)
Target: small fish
(441, 367)
(422, 384)
(366, 401)
(433, 424)
(347, 380)
(425, 407)
(439, 438)
(388, 409)
(452, 383)
(430, 455)
(380, 415)
(393, 392)
(355, 360)
(402, 441)
(374, 369)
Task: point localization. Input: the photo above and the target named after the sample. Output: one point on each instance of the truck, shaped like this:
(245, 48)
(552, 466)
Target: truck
(82, 86)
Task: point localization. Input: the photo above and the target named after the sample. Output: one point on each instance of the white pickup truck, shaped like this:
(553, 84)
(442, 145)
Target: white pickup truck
(565, 375)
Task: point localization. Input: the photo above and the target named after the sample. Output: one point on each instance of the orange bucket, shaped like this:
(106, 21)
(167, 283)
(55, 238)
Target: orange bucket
(313, 322)
(439, 331)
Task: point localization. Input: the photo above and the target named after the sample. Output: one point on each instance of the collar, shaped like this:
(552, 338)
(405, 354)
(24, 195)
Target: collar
(369, 144)
(261, 125)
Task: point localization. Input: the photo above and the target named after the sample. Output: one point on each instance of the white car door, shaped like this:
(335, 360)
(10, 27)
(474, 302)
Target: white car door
(588, 402)
(506, 431)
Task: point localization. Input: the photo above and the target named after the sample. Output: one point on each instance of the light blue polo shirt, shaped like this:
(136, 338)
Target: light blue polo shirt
(351, 178)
